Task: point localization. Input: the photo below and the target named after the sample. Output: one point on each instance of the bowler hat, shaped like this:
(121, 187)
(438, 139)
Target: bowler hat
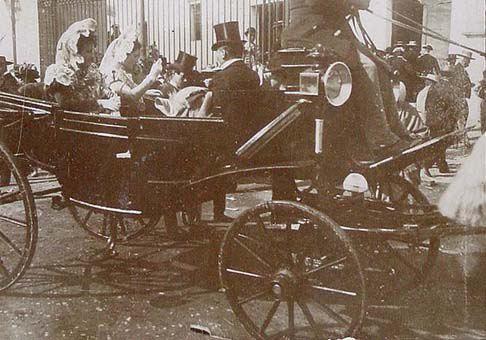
(399, 43)
(4, 60)
(227, 33)
(428, 47)
(451, 56)
(184, 62)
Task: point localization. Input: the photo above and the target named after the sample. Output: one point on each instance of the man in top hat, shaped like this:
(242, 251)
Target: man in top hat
(427, 62)
(234, 89)
(177, 74)
(315, 22)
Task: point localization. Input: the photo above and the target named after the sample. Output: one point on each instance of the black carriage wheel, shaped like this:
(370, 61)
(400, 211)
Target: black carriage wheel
(97, 223)
(18, 223)
(415, 260)
(289, 271)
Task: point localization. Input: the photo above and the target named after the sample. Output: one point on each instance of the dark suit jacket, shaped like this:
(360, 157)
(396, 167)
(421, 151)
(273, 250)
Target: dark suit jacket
(236, 90)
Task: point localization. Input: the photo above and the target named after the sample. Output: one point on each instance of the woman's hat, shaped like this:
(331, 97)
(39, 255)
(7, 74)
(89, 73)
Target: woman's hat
(227, 33)
(412, 43)
(184, 62)
(399, 43)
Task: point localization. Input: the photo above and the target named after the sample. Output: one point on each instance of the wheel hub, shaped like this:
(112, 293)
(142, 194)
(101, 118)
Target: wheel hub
(284, 284)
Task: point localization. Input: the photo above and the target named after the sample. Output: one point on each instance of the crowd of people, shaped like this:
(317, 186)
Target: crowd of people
(431, 99)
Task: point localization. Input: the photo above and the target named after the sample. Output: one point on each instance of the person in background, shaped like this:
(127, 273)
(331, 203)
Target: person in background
(428, 64)
(8, 81)
(462, 84)
(251, 55)
(438, 105)
(410, 71)
(114, 33)
(118, 67)
(74, 81)
(481, 92)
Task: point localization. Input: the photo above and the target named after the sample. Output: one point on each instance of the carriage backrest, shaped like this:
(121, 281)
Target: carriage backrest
(26, 103)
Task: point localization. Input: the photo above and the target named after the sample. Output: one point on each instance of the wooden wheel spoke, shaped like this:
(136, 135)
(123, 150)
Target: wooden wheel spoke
(13, 221)
(308, 315)
(3, 270)
(333, 290)
(325, 266)
(6, 240)
(123, 226)
(10, 197)
(269, 317)
(245, 273)
(104, 225)
(253, 253)
(253, 297)
(291, 311)
(268, 238)
(330, 312)
(87, 217)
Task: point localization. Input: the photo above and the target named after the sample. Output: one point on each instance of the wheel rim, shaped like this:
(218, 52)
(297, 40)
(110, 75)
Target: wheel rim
(408, 264)
(18, 223)
(97, 223)
(286, 261)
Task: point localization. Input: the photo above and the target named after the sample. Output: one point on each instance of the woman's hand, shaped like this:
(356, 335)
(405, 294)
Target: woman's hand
(156, 69)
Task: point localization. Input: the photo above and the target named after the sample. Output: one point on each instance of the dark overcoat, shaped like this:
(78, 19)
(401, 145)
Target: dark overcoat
(235, 89)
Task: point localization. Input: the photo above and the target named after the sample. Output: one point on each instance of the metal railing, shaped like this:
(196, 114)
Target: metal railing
(173, 25)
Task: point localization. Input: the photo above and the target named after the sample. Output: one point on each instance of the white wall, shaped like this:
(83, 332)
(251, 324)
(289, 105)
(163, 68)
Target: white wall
(27, 32)
(468, 27)
(379, 30)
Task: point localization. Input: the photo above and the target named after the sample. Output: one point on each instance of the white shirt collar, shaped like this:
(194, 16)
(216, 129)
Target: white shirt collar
(227, 63)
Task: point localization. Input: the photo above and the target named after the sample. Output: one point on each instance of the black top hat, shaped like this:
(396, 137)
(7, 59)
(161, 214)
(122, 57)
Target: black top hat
(4, 61)
(227, 33)
(184, 63)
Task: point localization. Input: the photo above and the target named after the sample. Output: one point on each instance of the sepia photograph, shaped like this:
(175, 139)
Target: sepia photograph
(242, 169)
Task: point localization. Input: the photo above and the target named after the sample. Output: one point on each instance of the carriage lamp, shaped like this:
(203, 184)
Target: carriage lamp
(337, 83)
(355, 183)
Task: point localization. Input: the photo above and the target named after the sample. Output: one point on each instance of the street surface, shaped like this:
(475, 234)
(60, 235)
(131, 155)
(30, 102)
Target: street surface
(157, 288)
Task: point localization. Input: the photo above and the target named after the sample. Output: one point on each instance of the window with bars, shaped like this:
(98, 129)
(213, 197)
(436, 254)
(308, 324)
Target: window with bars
(196, 22)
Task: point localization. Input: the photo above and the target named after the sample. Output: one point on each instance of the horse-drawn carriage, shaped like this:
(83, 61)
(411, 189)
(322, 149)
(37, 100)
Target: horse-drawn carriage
(289, 268)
